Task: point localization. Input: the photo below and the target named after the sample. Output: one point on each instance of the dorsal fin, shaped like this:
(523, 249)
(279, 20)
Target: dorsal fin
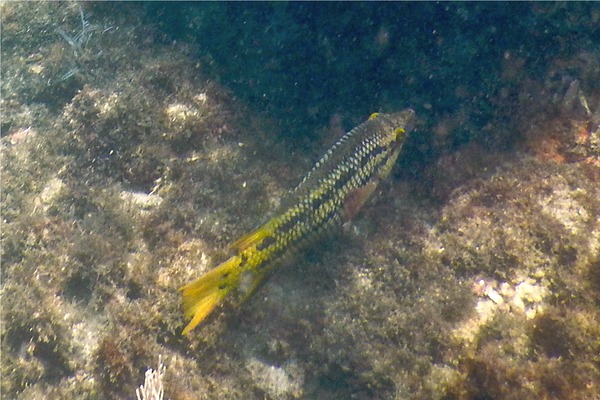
(250, 239)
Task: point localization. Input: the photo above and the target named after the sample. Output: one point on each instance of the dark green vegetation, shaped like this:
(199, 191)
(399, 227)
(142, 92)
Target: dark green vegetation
(304, 63)
(132, 151)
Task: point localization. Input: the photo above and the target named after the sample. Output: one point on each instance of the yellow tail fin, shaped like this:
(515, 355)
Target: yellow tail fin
(205, 293)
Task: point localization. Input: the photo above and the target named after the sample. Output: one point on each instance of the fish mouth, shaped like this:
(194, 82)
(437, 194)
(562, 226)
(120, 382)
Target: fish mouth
(405, 119)
(409, 117)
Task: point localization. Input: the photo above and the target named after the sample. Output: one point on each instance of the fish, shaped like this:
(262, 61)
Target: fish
(330, 195)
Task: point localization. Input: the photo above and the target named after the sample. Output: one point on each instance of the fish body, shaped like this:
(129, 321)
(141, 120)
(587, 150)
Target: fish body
(332, 193)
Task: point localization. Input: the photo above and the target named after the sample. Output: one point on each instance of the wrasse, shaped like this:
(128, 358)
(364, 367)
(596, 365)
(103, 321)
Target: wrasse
(331, 194)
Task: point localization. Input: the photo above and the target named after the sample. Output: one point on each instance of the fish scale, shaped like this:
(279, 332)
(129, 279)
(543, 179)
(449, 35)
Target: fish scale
(331, 193)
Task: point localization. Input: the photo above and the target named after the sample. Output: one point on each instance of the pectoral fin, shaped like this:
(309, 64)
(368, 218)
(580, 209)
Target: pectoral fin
(357, 198)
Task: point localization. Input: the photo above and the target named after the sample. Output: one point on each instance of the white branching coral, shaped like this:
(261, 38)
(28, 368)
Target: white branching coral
(152, 389)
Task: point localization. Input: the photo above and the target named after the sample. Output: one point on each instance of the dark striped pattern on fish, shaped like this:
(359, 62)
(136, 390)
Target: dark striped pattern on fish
(331, 194)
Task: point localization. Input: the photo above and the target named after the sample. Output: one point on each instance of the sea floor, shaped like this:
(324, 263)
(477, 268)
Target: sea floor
(133, 154)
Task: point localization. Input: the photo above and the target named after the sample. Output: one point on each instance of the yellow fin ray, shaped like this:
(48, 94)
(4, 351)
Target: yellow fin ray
(248, 240)
(202, 296)
(201, 310)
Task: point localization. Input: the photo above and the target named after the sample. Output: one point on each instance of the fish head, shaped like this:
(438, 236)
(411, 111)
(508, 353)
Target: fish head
(403, 123)
(396, 126)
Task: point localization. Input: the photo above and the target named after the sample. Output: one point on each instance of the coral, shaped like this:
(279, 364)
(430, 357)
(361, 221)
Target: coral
(152, 389)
